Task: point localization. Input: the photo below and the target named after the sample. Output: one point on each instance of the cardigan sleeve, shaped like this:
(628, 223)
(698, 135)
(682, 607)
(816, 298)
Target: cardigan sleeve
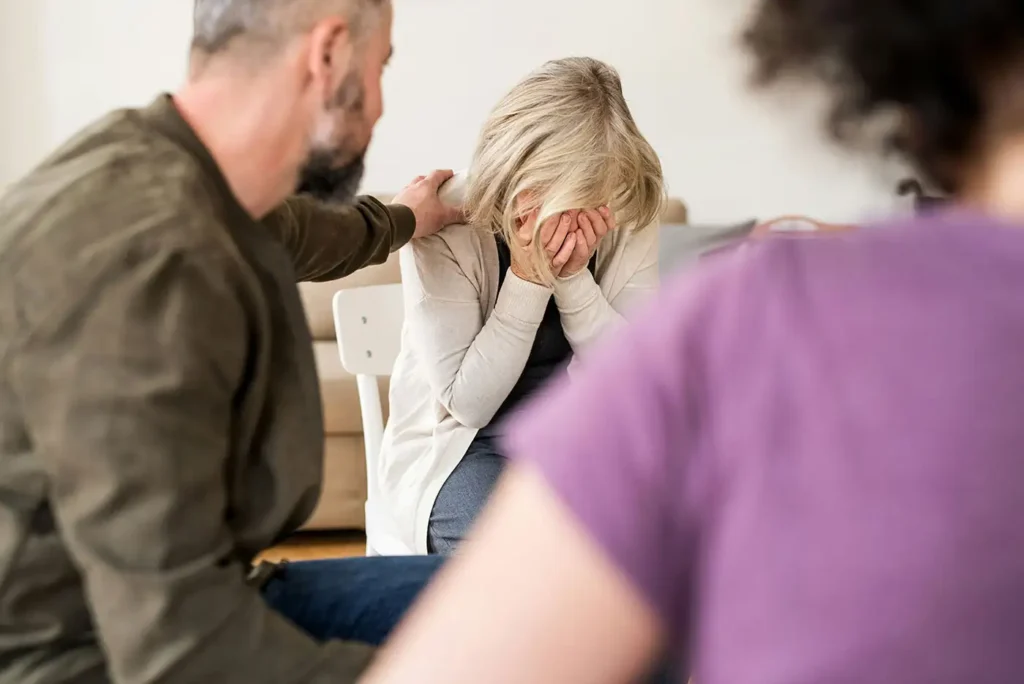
(471, 364)
(587, 314)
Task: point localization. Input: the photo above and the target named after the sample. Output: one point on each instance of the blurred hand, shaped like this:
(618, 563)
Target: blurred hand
(431, 213)
(559, 240)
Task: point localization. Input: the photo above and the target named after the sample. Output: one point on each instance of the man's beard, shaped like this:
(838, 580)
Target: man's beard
(321, 179)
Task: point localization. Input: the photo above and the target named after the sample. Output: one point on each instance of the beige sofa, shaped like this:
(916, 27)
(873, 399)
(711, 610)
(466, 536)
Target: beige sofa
(341, 503)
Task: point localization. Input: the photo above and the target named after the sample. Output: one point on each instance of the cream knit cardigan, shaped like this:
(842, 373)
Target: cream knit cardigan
(464, 346)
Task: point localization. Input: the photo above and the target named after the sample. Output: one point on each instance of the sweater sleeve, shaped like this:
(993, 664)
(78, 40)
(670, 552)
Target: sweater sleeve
(331, 241)
(587, 314)
(470, 363)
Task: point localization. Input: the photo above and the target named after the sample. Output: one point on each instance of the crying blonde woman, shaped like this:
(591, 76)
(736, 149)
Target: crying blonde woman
(563, 198)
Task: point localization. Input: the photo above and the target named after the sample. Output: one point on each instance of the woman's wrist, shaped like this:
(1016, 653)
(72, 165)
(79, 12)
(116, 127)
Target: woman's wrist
(563, 281)
(522, 274)
(575, 291)
(523, 300)
(566, 277)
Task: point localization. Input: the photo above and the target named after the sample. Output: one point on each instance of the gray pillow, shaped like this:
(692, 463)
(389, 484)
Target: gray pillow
(682, 245)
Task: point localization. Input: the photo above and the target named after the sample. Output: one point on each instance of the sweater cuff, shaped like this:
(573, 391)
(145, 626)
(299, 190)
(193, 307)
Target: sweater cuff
(576, 291)
(404, 222)
(522, 300)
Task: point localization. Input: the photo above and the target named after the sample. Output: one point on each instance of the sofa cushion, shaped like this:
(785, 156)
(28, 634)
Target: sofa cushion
(318, 298)
(343, 496)
(339, 393)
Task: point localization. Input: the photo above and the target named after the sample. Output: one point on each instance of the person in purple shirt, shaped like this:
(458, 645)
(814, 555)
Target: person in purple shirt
(805, 462)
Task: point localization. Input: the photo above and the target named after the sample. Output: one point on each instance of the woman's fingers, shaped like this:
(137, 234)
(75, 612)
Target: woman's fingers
(569, 237)
(583, 250)
(598, 222)
(563, 255)
(587, 229)
(550, 227)
(609, 218)
(560, 236)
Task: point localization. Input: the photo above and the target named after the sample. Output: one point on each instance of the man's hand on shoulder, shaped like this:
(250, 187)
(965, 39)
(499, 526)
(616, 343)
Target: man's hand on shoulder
(431, 213)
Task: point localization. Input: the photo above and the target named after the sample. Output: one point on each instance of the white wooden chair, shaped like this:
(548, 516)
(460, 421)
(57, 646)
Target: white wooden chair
(368, 322)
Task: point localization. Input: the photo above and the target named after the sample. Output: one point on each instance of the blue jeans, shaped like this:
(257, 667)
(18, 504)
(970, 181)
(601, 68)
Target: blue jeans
(349, 599)
(464, 495)
(358, 599)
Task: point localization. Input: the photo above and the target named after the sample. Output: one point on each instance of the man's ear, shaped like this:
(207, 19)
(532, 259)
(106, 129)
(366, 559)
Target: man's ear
(331, 54)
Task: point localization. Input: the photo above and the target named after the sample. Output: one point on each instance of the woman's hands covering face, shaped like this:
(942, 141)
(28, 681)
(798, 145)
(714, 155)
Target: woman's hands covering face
(591, 227)
(569, 239)
(558, 237)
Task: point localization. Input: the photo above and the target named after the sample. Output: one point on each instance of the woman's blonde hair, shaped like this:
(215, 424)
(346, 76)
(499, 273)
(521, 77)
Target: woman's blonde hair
(563, 139)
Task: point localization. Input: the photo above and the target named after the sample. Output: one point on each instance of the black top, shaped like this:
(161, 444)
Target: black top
(549, 355)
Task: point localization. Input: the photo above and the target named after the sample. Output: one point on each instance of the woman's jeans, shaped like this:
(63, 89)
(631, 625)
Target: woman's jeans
(464, 495)
(349, 599)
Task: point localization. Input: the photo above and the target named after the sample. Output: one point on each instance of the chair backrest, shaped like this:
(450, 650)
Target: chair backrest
(368, 322)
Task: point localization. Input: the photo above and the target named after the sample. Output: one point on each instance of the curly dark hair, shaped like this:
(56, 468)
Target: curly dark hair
(934, 63)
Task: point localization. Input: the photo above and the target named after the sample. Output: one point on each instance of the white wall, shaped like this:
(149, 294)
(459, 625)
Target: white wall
(731, 155)
(24, 119)
(67, 62)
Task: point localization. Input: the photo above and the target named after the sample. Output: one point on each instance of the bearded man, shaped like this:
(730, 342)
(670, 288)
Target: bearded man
(160, 418)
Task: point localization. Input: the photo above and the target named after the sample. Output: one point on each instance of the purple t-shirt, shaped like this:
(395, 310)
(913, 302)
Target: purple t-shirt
(809, 457)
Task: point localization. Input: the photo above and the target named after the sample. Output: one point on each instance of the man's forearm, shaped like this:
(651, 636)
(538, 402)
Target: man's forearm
(331, 241)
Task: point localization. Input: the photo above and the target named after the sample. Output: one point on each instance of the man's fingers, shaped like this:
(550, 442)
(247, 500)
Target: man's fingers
(418, 179)
(587, 229)
(564, 227)
(563, 255)
(438, 178)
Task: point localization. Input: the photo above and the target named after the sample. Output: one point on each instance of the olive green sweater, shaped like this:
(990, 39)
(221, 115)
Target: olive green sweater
(160, 418)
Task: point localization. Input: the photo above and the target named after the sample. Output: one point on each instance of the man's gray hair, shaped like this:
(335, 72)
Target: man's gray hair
(219, 23)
